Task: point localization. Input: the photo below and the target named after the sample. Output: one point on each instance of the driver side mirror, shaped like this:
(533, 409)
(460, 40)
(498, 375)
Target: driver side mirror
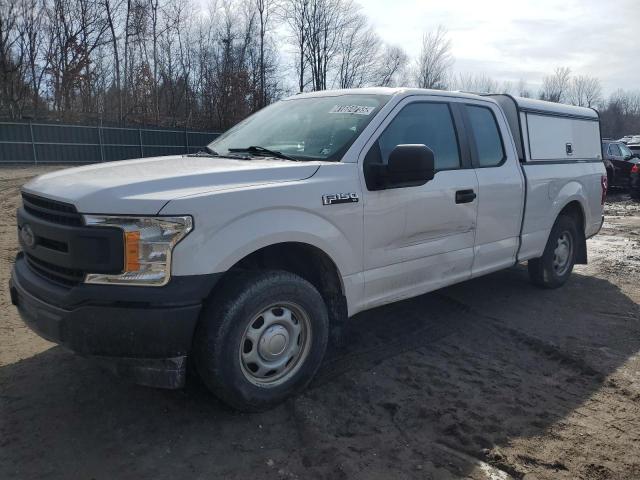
(410, 165)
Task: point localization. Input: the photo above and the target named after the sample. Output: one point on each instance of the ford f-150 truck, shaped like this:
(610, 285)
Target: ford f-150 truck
(244, 257)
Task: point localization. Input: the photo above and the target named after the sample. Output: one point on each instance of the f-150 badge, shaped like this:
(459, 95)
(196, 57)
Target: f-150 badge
(335, 198)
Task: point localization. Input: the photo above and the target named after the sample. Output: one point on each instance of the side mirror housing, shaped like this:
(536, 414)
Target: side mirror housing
(410, 165)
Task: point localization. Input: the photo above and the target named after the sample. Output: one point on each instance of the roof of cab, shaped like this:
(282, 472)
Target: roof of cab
(522, 103)
(387, 91)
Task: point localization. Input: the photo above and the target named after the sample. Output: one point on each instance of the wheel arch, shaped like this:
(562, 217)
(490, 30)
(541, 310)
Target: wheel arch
(575, 210)
(305, 260)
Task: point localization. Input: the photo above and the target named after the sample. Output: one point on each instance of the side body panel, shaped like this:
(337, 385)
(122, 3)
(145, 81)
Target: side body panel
(233, 224)
(549, 189)
(551, 185)
(416, 239)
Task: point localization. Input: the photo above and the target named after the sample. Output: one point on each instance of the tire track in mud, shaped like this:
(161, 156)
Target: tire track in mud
(371, 337)
(539, 346)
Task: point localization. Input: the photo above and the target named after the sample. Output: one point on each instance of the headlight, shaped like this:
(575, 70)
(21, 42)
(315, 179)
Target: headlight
(148, 243)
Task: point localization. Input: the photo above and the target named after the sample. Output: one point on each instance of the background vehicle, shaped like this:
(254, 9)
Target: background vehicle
(634, 183)
(306, 213)
(622, 165)
(635, 148)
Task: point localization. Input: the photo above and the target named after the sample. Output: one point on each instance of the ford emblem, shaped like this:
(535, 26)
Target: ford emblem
(27, 236)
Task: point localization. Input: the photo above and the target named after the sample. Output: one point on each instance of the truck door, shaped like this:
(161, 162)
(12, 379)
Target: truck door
(500, 187)
(419, 238)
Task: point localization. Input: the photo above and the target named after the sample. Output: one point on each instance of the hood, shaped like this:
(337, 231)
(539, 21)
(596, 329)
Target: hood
(145, 185)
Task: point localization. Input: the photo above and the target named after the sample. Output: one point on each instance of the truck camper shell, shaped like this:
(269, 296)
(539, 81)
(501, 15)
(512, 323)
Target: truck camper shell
(551, 132)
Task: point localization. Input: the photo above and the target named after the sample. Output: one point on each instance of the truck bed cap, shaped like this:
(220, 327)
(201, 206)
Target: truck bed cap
(533, 105)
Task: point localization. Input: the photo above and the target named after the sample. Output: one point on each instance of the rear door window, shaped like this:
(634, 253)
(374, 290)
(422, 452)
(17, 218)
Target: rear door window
(486, 134)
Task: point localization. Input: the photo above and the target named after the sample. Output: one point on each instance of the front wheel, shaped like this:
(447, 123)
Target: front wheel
(261, 339)
(554, 268)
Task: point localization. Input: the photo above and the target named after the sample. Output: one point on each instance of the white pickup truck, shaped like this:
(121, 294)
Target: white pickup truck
(244, 258)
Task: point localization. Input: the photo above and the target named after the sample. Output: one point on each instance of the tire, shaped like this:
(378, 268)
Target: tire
(554, 268)
(244, 348)
(609, 177)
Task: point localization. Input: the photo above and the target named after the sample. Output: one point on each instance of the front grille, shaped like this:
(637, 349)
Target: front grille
(59, 213)
(65, 276)
(51, 210)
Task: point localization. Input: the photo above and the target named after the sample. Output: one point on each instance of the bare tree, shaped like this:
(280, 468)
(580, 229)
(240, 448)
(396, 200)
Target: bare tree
(473, 82)
(12, 59)
(555, 87)
(358, 51)
(584, 91)
(76, 29)
(110, 9)
(35, 46)
(391, 67)
(266, 9)
(294, 14)
(326, 23)
(522, 89)
(435, 59)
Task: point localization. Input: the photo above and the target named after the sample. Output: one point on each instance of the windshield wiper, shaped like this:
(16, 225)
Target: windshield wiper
(258, 150)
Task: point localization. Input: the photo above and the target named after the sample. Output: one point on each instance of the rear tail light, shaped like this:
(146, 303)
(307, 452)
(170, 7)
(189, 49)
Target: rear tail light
(603, 184)
(635, 168)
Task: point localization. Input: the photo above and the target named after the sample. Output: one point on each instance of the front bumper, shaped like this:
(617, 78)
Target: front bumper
(143, 333)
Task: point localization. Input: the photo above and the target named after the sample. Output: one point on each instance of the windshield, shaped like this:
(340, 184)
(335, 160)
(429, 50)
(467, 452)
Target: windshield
(316, 128)
(625, 151)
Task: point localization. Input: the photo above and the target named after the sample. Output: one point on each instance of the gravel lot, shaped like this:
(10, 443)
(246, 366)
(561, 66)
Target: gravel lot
(492, 378)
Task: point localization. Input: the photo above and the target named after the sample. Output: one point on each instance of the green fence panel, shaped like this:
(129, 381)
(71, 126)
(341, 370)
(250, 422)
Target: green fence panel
(33, 143)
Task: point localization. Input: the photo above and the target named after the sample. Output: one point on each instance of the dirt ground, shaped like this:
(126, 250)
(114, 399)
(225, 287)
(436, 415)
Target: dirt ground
(489, 379)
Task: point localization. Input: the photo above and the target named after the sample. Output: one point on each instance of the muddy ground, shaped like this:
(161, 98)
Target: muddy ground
(492, 378)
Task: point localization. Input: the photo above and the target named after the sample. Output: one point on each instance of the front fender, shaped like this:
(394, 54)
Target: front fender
(204, 251)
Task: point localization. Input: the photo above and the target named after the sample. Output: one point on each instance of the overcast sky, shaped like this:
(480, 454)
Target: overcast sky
(509, 40)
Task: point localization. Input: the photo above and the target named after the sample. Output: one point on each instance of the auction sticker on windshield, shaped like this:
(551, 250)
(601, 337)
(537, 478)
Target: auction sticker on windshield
(357, 109)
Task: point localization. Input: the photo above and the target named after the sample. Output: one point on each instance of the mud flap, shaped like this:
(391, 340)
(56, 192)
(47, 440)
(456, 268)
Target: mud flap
(167, 373)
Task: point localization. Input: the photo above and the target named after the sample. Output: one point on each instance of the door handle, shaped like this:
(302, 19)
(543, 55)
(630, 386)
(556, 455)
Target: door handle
(465, 196)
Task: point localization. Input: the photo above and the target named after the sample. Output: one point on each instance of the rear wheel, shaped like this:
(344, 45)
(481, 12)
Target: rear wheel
(261, 339)
(554, 268)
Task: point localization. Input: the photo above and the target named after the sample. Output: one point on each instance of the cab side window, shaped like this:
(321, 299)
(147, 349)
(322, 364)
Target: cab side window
(429, 124)
(487, 136)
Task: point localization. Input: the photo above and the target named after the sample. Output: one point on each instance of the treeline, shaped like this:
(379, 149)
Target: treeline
(165, 62)
(168, 63)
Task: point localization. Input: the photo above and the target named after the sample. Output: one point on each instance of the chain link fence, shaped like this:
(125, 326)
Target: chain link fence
(41, 143)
